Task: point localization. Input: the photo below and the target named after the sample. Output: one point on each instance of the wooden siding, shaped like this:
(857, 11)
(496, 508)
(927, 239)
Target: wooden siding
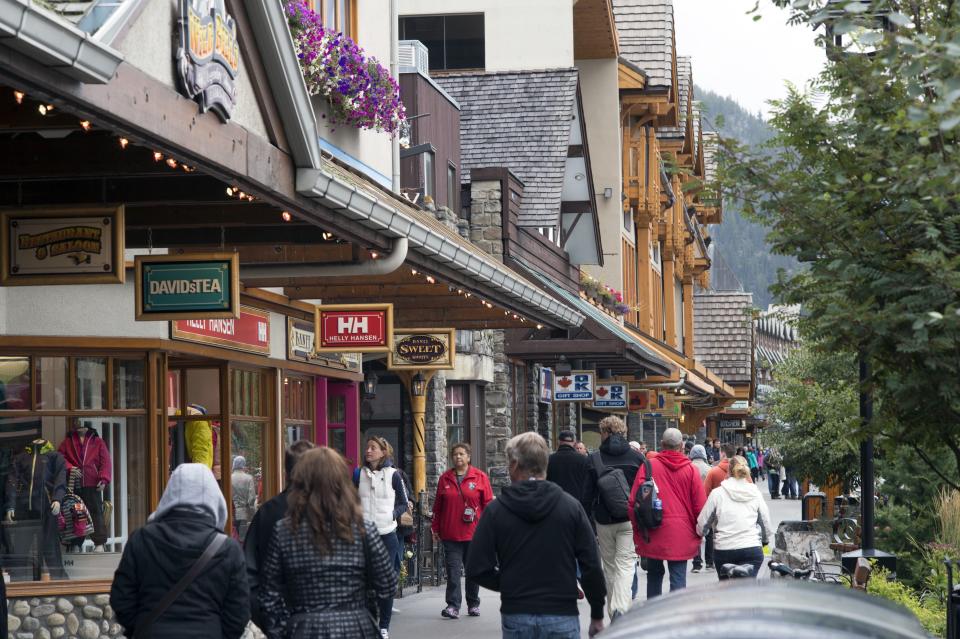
(441, 129)
(630, 297)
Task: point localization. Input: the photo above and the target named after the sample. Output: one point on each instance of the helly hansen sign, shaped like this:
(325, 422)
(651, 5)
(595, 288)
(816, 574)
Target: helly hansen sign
(611, 396)
(578, 386)
(360, 328)
(193, 286)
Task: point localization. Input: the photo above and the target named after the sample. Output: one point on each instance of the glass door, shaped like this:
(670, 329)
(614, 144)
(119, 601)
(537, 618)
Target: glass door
(342, 418)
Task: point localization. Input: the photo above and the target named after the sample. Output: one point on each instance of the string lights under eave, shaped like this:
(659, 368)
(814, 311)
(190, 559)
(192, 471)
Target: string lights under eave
(430, 279)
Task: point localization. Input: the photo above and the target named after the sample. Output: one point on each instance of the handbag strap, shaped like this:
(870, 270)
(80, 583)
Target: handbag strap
(145, 627)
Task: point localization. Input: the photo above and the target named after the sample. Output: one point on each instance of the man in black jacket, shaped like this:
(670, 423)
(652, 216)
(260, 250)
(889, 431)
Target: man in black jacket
(527, 546)
(615, 535)
(262, 525)
(571, 471)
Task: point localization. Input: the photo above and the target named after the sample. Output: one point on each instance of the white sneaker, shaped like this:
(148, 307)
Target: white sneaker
(384, 633)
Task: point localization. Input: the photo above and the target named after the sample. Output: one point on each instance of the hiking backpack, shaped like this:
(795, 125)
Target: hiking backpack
(612, 488)
(647, 516)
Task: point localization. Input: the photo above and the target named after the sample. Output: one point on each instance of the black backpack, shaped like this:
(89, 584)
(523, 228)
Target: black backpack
(612, 488)
(647, 517)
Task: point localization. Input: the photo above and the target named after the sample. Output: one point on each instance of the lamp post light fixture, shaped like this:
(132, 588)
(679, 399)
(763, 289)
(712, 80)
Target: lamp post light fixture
(418, 385)
(370, 385)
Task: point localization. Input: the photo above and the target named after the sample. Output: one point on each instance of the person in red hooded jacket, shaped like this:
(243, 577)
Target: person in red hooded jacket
(462, 494)
(91, 469)
(681, 493)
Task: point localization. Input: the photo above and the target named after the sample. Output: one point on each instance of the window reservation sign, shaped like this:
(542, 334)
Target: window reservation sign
(423, 349)
(194, 286)
(578, 386)
(611, 395)
(61, 246)
(250, 332)
(359, 328)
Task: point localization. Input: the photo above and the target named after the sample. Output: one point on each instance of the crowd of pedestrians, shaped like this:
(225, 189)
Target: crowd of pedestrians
(322, 558)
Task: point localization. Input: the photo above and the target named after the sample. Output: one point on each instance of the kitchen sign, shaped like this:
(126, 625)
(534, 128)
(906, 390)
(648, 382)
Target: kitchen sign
(422, 349)
(208, 58)
(578, 386)
(611, 395)
(190, 286)
(61, 246)
(360, 328)
(250, 332)
(300, 336)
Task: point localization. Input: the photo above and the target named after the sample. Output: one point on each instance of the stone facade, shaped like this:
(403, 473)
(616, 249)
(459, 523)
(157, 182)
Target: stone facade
(486, 217)
(436, 432)
(70, 616)
(499, 413)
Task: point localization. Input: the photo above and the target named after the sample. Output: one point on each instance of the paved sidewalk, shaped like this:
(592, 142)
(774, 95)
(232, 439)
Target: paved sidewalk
(419, 615)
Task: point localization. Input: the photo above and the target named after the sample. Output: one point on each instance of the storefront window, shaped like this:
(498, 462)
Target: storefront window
(249, 411)
(297, 408)
(338, 440)
(457, 423)
(59, 523)
(15, 383)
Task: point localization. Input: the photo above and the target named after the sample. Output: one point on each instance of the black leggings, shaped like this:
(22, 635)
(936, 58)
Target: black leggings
(752, 556)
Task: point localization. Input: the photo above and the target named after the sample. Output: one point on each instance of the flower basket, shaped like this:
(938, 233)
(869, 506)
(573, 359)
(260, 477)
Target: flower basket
(361, 93)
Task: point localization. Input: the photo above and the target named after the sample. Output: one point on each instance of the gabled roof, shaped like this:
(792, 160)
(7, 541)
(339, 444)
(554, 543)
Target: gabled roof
(685, 81)
(72, 10)
(723, 334)
(645, 28)
(519, 120)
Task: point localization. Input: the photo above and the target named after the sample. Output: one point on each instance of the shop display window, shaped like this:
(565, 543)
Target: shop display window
(249, 419)
(298, 401)
(73, 470)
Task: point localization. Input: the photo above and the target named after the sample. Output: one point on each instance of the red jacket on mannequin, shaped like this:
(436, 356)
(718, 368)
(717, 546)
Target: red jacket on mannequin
(91, 456)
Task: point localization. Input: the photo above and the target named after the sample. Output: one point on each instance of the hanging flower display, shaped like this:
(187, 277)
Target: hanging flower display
(361, 93)
(602, 295)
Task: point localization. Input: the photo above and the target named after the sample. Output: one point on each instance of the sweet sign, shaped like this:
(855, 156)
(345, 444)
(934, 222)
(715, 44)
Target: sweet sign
(61, 246)
(578, 386)
(360, 328)
(611, 395)
(422, 349)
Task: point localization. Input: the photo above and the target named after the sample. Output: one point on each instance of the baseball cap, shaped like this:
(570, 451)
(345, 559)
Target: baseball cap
(672, 437)
(567, 436)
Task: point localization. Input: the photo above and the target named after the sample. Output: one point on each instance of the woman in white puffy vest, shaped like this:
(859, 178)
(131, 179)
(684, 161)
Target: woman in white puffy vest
(383, 499)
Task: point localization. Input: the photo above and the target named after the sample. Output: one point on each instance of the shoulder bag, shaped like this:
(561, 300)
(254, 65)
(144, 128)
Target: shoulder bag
(145, 628)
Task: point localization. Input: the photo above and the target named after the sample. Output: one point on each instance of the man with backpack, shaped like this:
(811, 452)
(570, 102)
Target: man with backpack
(664, 513)
(614, 468)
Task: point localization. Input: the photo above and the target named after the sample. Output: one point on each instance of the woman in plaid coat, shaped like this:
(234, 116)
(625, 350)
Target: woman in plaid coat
(324, 558)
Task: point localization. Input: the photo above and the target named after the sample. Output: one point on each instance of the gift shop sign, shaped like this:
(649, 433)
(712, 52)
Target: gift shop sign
(190, 286)
(423, 349)
(578, 386)
(611, 395)
(250, 332)
(360, 328)
(61, 246)
(208, 56)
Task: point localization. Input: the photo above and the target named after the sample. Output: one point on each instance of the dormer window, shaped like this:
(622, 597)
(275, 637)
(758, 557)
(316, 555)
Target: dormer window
(453, 41)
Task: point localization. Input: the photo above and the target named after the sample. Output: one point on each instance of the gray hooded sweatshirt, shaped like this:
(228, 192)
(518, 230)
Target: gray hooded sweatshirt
(193, 487)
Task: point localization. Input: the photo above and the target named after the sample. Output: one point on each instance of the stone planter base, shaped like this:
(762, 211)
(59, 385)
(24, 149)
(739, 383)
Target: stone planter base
(84, 616)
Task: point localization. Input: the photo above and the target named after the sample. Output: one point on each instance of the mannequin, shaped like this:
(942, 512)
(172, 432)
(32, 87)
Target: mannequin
(91, 470)
(199, 437)
(35, 486)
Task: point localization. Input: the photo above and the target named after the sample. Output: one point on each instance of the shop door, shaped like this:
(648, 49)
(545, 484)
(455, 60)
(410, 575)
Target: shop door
(342, 419)
(194, 416)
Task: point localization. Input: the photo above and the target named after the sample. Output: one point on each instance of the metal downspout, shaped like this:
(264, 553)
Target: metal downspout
(388, 264)
(395, 73)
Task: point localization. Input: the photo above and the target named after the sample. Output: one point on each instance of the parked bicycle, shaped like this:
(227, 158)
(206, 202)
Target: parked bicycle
(814, 571)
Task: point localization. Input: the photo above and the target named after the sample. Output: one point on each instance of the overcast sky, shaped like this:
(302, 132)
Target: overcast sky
(737, 57)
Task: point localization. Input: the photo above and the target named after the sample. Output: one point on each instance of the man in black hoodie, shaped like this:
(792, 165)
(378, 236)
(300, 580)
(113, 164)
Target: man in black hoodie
(615, 535)
(570, 470)
(527, 547)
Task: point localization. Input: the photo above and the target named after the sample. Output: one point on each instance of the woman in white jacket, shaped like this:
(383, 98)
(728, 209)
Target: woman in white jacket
(736, 510)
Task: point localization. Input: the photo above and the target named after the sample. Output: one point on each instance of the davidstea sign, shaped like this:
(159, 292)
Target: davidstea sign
(198, 286)
(422, 349)
(578, 386)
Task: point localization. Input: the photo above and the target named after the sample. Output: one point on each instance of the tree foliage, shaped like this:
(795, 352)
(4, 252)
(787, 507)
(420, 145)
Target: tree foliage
(861, 183)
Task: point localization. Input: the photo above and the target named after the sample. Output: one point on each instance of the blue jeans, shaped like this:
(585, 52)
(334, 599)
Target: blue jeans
(540, 626)
(655, 573)
(393, 549)
(752, 556)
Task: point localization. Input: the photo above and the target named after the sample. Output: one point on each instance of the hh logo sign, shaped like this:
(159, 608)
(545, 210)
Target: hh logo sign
(578, 386)
(354, 327)
(611, 395)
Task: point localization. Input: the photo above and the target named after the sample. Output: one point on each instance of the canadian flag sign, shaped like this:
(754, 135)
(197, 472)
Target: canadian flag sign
(578, 386)
(611, 395)
(359, 328)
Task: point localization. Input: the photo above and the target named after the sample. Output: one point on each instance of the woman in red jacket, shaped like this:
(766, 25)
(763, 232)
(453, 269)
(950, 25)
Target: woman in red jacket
(462, 494)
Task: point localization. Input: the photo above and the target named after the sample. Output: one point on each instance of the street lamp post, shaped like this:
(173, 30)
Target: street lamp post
(417, 383)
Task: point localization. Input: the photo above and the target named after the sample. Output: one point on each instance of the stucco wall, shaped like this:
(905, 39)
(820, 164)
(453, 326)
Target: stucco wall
(149, 44)
(601, 110)
(3, 311)
(532, 34)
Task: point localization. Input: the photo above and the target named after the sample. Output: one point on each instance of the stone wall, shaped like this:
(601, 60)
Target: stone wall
(82, 616)
(499, 413)
(436, 432)
(486, 217)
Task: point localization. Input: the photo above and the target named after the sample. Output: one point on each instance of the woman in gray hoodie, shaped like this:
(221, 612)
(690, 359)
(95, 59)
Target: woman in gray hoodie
(739, 515)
